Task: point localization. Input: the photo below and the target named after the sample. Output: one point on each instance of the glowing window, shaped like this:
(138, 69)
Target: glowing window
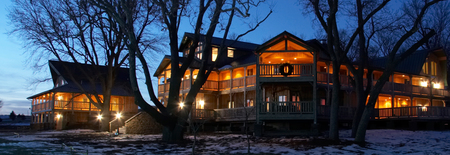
(425, 68)
(214, 53)
(433, 68)
(230, 53)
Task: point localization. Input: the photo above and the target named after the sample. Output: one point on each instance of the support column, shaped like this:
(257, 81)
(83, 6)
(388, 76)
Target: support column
(430, 95)
(231, 87)
(315, 87)
(245, 86)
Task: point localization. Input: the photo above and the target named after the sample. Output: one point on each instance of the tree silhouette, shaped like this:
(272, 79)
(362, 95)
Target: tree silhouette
(12, 115)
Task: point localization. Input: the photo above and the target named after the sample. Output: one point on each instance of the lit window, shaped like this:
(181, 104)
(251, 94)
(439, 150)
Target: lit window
(433, 68)
(425, 68)
(199, 47)
(214, 53)
(230, 53)
(198, 55)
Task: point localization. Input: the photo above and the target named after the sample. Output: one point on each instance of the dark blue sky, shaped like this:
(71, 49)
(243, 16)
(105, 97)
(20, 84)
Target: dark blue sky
(15, 67)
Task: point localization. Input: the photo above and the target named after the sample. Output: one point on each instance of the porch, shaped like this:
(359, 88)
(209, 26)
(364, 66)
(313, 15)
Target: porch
(416, 112)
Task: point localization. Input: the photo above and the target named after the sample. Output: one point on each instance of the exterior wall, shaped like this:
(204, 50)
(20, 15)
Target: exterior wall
(142, 123)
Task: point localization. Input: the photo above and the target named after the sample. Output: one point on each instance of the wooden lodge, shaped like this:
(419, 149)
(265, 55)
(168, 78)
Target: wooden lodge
(285, 84)
(65, 106)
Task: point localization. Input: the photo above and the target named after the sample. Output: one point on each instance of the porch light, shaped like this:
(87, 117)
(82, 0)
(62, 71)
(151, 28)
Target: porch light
(403, 75)
(99, 117)
(181, 105)
(295, 58)
(60, 97)
(437, 85)
(424, 108)
(118, 115)
(282, 59)
(58, 116)
(202, 103)
(424, 83)
(269, 62)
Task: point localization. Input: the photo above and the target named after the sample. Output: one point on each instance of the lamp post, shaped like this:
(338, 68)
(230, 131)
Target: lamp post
(118, 116)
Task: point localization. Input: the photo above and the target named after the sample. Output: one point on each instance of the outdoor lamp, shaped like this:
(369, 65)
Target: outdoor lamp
(58, 116)
(118, 115)
(99, 117)
(181, 105)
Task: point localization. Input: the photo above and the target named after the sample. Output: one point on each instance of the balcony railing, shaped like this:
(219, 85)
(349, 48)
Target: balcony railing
(305, 107)
(384, 113)
(273, 70)
(42, 106)
(388, 87)
(241, 113)
(414, 111)
(203, 114)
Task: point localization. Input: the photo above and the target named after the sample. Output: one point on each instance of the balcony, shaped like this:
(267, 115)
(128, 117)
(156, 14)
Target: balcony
(287, 110)
(347, 113)
(210, 85)
(412, 112)
(71, 105)
(389, 87)
(273, 70)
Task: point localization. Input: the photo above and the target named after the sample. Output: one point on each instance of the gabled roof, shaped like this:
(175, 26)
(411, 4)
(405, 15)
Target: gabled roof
(412, 64)
(66, 70)
(283, 36)
(217, 41)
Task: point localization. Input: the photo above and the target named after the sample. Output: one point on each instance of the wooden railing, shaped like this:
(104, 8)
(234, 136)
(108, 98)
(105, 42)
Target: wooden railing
(238, 82)
(250, 80)
(236, 113)
(344, 112)
(414, 111)
(224, 85)
(388, 87)
(203, 114)
(41, 106)
(273, 70)
(211, 85)
(305, 107)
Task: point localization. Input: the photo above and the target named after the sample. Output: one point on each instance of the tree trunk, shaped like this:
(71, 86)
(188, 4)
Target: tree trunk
(361, 101)
(172, 135)
(365, 118)
(106, 118)
(334, 124)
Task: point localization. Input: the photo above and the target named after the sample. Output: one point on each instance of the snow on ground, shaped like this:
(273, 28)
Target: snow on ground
(91, 142)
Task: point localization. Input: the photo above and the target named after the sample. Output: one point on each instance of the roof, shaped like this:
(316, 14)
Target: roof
(228, 42)
(412, 64)
(58, 69)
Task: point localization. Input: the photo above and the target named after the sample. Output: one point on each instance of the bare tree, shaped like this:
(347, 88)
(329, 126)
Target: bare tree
(365, 10)
(79, 32)
(206, 15)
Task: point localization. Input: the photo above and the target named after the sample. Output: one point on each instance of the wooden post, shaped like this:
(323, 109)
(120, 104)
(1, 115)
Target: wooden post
(231, 87)
(245, 86)
(315, 87)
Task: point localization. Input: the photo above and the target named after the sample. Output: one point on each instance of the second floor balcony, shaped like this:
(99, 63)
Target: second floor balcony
(210, 85)
(388, 88)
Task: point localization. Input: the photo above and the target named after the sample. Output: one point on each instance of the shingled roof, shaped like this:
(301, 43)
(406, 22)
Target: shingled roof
(65, 70)
(411, 65)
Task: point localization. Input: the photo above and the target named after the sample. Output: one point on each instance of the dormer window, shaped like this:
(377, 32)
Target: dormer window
(433, 68)
(199, 50)
(230, 53)
(214, 53)
(60, 81)
(199, 47)
(425, 68)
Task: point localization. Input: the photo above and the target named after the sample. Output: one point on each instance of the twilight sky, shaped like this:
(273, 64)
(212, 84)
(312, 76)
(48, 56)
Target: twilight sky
(16, 73)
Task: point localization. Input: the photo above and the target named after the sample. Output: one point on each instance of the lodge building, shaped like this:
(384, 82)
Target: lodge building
(285, 85)
(65, 106)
